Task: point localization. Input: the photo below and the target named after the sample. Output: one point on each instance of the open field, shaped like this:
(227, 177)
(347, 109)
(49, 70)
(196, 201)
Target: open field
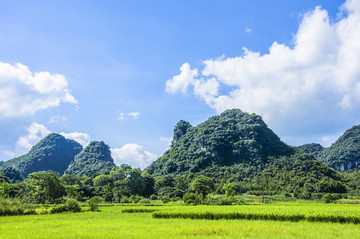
(112, 223)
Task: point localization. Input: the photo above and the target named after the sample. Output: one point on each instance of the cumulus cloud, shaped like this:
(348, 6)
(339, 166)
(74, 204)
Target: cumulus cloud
(124, 116)
(35, 133)
(310, 85)
(81, 138)
(23, 92)
(182, 81)
(132, 154)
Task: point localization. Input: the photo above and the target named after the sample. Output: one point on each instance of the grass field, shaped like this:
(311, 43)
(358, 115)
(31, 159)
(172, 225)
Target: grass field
(112, 223)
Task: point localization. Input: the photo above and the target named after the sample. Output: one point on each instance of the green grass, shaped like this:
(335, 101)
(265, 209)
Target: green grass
(112, 223)
(275, 212)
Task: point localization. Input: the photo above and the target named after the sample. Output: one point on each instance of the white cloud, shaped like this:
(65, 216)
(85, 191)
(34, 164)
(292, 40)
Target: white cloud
(35, 133)
(166, 140)
(314, 84)
(124, 116)
(248, 30)
(132, 154)
(57, 119)
(135, 115)
(81, 138)
(182, 81)
(23, 93)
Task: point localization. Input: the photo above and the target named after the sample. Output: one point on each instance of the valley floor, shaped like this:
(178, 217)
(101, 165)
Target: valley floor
(112, 223)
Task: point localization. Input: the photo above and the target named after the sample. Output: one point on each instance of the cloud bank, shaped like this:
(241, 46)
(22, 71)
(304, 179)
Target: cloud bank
(313, 84)
(22, 92)
(81, 138)
(132, 154)
(35, 133)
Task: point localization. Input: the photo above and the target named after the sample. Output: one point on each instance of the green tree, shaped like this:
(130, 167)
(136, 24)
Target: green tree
(203, 185)
(43, 187)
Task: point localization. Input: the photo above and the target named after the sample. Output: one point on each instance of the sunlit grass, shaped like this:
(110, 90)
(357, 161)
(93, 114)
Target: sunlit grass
(111, 223)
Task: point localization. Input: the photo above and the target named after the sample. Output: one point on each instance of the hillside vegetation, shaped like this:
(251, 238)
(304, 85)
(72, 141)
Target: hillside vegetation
(234, 137)
(53, 152)
(92, 160)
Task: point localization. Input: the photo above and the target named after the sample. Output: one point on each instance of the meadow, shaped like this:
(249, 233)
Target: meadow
(139, 222)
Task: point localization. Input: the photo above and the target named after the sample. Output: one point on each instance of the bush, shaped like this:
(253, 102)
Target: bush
(93, 203)
(145, 201)
(165, 199)
(134, 198)
(13, 207)
(71, 205)
(189, 198)
(124, 199)
(153, 197)
(330, 198)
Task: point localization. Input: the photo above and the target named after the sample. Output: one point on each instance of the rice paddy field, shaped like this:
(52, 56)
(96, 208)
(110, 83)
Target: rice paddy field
(179, 221)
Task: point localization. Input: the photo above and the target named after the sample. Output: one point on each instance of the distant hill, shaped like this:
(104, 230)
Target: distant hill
(53, 152)
(313, 148)
(238, 147)
(234, 137)
(344, 154)
(92, 160)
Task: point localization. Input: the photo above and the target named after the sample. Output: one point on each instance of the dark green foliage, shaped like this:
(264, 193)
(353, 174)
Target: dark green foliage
(203, 185)
(344, 154)
(96, 157)
(314, 149)
(180, 130)
(71, 205)
(11, 174)
(330, 198)
(108, 193)
(189, 198)
(10, 207)
(53, 152)
(42, 187)
(234, 137)
(301, 174)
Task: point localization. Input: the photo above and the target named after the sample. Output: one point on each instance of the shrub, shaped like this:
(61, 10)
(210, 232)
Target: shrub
(124, 199)
(165, 199)
(71, 205)
(134, 198)
(329, 198)
(145, 201)
(189, 198)
(13, 207)
(153, 197)
(93, 203)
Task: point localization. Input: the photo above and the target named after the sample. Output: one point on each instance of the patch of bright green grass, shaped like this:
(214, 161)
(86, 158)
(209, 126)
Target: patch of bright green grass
(111, 223)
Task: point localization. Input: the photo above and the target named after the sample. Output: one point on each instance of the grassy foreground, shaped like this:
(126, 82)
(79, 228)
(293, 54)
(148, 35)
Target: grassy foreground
(111, 223)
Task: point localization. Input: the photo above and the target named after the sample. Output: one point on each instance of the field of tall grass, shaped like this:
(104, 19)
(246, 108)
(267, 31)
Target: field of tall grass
(275, 212)
(111, 222)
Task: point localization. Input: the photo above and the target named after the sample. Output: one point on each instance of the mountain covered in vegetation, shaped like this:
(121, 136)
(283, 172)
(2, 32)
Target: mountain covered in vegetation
(92, 160)
(313, 148)
(238, 148)
(343, 155)
(53, 152)
(234, 137)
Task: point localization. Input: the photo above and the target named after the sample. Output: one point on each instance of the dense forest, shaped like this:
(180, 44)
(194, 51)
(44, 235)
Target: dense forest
(231, 154)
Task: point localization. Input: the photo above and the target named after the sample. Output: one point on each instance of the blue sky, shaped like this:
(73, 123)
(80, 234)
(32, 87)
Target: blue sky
(126, 72)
